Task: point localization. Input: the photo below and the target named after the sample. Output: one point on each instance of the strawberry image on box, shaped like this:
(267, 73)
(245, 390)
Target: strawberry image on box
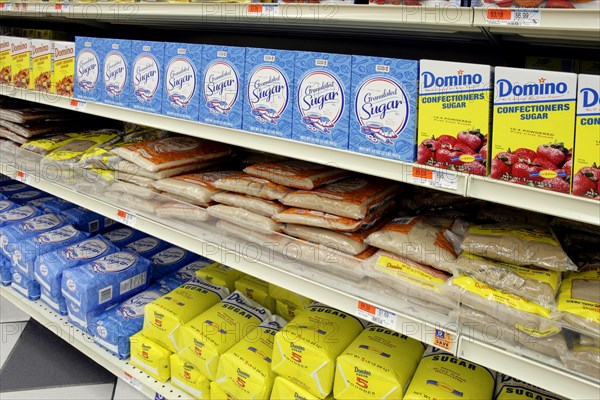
(534, 121)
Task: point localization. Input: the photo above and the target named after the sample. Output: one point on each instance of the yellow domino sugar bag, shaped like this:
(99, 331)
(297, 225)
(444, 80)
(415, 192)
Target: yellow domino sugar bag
(443, 376)
(188, 378)
(306, 349)
(245, 370)
(286, 390)
(212, 333)
(256, 289)
(217, 394)
(220, 275)
(164, 316)
(578, 300)
(509, 388)
(287, 303)
(378, 364)
(150, 357)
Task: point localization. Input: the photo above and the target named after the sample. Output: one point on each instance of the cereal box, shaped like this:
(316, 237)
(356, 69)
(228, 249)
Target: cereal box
(115, 72)
(222, 86)
(454, 115)
(63, 75)
(269, 92)
(586, 157)
(384, 107)
(88, 75)
(182, 62)
(145, 92)
(5, 61)
(20, 52)
(321, 108)
(41, 65)
(534, 121)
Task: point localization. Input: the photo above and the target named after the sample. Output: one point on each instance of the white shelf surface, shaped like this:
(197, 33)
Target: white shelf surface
(557, 204)
(61, 327)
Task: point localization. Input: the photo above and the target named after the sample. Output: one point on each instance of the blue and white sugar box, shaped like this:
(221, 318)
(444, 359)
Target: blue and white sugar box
(88, 59)
(384, 107)
(269, 97)
(57, 303)
(25, 285)
(182, 63)
(146, 76)
(122, 236)
(222, 98)
(321, 112)
(115, 72)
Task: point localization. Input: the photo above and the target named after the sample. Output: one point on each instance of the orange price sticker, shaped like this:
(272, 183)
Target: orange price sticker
(126, 218)
(499, 14)
(422, 173)
(58, 6)
(255, 8)
(366, 307)
(442, 339)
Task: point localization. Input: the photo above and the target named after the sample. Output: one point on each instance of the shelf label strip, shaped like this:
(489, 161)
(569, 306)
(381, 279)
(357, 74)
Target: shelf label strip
(377, 315)
(513, 17)
(434, 178)
(255, 9)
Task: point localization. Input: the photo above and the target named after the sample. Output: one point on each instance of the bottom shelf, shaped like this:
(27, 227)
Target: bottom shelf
(59, 325)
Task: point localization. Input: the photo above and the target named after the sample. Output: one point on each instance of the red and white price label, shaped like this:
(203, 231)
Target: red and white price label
(78, 105)
(6, 6)
(514, 17)
(434, 178)
(377, 315)
(126, 217)
(22, 177)
(127, 377)
(62, 7)
(266, 9)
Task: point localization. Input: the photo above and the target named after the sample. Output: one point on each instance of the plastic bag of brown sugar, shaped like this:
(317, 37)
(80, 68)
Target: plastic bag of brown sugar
(297, 174)
(131, 188)
(519, 245)
(10, 135)
(197, 188)
(534, 284)
(578, 300)
(583, 359)
(269, 240)
(253, 186)
(27, 115)
(244, 217)
(420, 239)
(127, 167)
(135, 179)
(268, 208)
(496, 213)
(131, 202)
(181, 211)
(350, 198)
(586, 340)
(39, 128)
(172, 152)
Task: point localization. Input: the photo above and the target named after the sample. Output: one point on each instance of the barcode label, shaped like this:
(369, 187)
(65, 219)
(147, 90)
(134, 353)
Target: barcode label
(105, 295)
(94, 226)
(132, 283)
(377, 315)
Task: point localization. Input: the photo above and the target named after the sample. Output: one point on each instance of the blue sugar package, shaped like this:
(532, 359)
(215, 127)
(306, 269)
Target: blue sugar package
(25, 286)
(121, 237)
(56, 205)
(56, 303)
(4, 182)
(383, 119)
(7, 205)
(2, 197)
(18, 214)
(26, 251)
(116, 74)
(84, 319)
(222, 83)
(145, 91)
(170, 260)
(181, 92)
(49, 267)
(106, 280)
(87, 220)
(184, 274)
(322, 105)
(88, 74)
(113, 328)
(13, 187)
(11, 235)
(38, 203)
(269, 93)
(26, 196)
(148, 246)
(5, 270)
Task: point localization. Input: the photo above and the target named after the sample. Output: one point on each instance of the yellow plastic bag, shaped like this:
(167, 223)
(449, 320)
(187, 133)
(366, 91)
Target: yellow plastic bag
(220, 275)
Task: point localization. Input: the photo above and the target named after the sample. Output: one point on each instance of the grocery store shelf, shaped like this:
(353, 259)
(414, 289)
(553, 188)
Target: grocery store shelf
(60, 326)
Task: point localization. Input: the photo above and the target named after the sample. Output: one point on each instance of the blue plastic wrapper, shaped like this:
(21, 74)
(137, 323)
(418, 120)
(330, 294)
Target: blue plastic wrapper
(7, 205)
(83, 319)
(56, 303)
(49, 267)
(109, 279)
(122, 236)
(13, 234)
(170, 260)
(2, 197)
(184, 274)
(25, 286)
(4, 182)
(25, 252)
(56, 205)
(13, 187)
(5, 274)
(147, 247)
(18, 214)
(26, 196)
(113, 328)
(86, 220)
(38, 203)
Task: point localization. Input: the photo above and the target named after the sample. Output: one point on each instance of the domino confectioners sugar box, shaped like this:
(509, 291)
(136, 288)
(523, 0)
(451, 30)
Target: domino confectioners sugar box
(322, 105)
(88, 75)
(42, 52)
(5, 61)
(182, 66)
(63, 79)
(586, 157)
(115, 72)
(20, 53)
(384, 107)
(222, 99)
(145, 91)
(269, 91)
(534, 123)
(455, 115)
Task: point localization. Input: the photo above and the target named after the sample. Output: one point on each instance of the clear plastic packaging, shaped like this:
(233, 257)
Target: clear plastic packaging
(268, 208)
(196, 188)
(133, 189)
(253, 186)
(351, 243)
(244, 217)
(578, 300)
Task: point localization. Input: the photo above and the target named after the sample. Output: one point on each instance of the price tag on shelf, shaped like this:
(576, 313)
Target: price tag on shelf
(377, 315)
(435, 178)
(514, 17)
(442, 339)
(22, 177)
(127, 377)
(263, 9)
(125, 217)
(62, 7)
(78, 105)
(6, 6)
(20, 7)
